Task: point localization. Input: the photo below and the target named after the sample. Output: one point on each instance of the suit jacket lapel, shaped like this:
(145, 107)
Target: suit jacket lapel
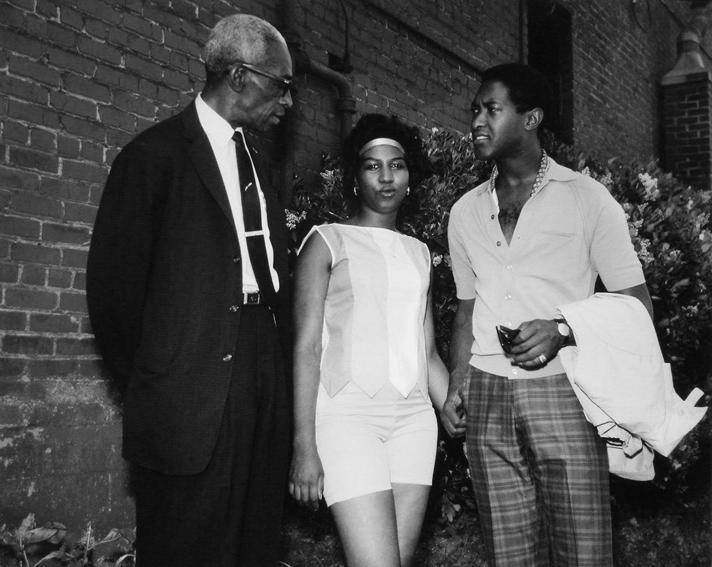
(203, 159)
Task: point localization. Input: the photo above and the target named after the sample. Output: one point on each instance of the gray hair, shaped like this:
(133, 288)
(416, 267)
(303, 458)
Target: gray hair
(240, 37)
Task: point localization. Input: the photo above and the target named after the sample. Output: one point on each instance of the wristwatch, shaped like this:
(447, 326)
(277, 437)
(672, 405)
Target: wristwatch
(563, 328)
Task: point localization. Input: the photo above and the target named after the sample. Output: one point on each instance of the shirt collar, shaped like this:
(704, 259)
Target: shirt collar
(555, 172)
(216, 127)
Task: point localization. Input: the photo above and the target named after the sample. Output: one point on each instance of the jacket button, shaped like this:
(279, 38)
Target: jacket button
(233, 308)
(235, 259)
(227, 358)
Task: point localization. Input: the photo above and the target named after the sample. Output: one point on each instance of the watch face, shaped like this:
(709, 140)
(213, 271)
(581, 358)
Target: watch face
(563, 329)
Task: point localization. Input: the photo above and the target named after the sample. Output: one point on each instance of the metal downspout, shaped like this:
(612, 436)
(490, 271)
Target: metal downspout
(345, 103)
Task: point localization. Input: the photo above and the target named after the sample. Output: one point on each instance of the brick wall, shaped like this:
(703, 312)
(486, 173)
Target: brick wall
(688, 115)
(79, 78)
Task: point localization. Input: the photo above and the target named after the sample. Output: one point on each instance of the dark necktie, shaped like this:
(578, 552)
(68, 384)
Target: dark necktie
(252, 216)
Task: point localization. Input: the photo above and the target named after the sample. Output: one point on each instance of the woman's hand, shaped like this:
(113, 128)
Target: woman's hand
(306, 477)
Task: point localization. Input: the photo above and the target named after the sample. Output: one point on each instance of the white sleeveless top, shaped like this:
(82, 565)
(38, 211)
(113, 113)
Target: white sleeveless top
(374, 310)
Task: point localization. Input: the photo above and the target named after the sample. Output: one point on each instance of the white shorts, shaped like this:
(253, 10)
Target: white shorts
(367, 444)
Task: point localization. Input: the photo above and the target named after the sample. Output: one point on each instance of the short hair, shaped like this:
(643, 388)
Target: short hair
(240, 37)
(528, 88)
(372, 126)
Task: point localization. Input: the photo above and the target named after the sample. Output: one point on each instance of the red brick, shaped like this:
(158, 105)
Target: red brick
(67, 146)
(119, 138)
(48, 9)
(97, 28)
(74, 302)
(34, 204)
(92, 152)
(102, 51)
(84, 127)
(15, 132)
(53, 323)
(187, 10)
(115, 77)
(9, 273)
(86, 87)
(110, 13)
(80, 213)
(30, 298)
(70, 61)
(134, 103)
(4, 253)
(19, 226)
(54, 368)
(12, 17)
(85, 326)
(72, 258)
(32, 113)
(67, 234)
(26, 344)
(36, 71)
(24, 89)
(11, 367)
(181, 43)
(80, 281)
(61, 35)
(73, 105)
(177, 79)
(117, 118)
(65, 189)
(43, 140)
(57, 277)
(85, 171)
(71, 18)
(12, 321)
(32, 274)
(35, 253)
(25, 157)
(76, 347)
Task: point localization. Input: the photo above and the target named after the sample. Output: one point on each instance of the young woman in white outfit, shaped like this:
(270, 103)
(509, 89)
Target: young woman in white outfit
(366, 370)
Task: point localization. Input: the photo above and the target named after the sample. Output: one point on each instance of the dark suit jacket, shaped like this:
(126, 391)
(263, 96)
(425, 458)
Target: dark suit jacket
(163, 271)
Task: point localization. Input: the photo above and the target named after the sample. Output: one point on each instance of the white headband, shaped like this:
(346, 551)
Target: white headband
(380, 142)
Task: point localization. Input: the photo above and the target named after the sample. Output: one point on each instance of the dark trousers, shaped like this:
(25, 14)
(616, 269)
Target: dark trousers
(539, 473)
(229, 515)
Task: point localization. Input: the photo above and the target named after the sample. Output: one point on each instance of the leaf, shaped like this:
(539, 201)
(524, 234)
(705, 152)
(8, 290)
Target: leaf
(59, 555)
(27, 524)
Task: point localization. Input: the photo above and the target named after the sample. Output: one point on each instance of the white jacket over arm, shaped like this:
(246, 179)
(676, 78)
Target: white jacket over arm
(624, 385)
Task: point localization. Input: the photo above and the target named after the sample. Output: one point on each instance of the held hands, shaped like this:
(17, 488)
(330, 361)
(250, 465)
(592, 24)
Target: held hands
(536, 344)
(452, 414)
(306, 477)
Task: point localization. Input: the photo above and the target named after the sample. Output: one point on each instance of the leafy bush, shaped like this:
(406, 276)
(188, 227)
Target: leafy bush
(30, 545)
(670, 227)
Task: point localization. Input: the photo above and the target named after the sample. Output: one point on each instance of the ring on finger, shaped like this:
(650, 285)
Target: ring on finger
(541, 358)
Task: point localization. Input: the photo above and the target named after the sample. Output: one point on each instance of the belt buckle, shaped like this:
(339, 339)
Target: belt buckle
(251, 298)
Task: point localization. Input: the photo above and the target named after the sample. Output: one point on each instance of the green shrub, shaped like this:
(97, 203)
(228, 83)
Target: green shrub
(30, 545)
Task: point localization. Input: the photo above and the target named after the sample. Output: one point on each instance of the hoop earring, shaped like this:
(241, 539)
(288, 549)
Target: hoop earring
(355, 193)
(407, 191)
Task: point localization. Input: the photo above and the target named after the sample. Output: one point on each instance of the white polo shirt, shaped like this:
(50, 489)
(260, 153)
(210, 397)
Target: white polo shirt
(568, 232)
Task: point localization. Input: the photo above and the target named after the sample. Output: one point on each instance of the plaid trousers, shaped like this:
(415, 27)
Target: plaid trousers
(539, 473)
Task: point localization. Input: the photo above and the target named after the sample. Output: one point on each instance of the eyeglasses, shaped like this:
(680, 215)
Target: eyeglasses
(285, 85)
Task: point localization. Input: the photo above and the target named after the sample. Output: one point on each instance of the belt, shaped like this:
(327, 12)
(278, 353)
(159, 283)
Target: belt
(252, 298)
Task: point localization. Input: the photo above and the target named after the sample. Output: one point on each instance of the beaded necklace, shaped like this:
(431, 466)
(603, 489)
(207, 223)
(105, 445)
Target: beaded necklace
(543, 167)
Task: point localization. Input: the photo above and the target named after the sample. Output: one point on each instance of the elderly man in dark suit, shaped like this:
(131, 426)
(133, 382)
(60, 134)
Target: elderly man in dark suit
(187, 289)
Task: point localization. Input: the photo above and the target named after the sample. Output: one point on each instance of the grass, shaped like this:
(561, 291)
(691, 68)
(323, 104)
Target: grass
(310, 540)
(651, 537)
